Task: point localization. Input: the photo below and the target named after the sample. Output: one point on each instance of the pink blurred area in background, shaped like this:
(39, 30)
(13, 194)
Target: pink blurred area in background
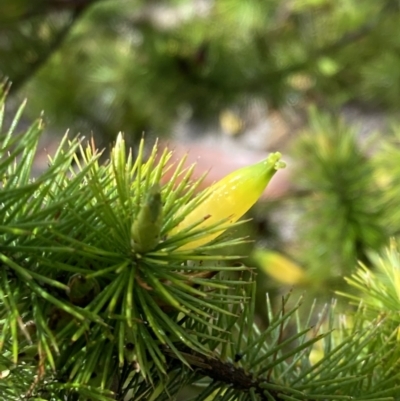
(219, 162)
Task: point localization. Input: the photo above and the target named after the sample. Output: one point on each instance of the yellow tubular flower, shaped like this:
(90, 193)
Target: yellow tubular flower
(230, 198)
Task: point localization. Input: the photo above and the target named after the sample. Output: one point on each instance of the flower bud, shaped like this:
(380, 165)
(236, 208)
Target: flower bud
(230, 198)
(145, 231)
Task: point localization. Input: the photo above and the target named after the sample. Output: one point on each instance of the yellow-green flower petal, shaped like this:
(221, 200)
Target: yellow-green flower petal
(230, 198)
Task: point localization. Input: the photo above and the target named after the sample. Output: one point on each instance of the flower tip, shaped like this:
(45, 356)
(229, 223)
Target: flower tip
(279, 165)
(274, 161)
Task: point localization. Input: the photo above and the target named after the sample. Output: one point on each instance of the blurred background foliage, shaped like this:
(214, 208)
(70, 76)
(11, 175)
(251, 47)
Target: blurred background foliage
(313, 78)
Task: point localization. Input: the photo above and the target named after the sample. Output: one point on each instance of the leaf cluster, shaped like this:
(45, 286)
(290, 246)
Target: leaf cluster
(70, 271)
(135, 66)
(344, 209)
(85, 316)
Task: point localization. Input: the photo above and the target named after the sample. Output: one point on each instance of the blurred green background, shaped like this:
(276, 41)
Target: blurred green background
(232, 80)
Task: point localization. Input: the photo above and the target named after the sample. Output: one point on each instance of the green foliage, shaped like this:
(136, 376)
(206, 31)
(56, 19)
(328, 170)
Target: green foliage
(346, 199)
(344, 208)
(69, 266)
(379, 287)
(387, 171)
(134, 65)
(99, 298)
(86, 315)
